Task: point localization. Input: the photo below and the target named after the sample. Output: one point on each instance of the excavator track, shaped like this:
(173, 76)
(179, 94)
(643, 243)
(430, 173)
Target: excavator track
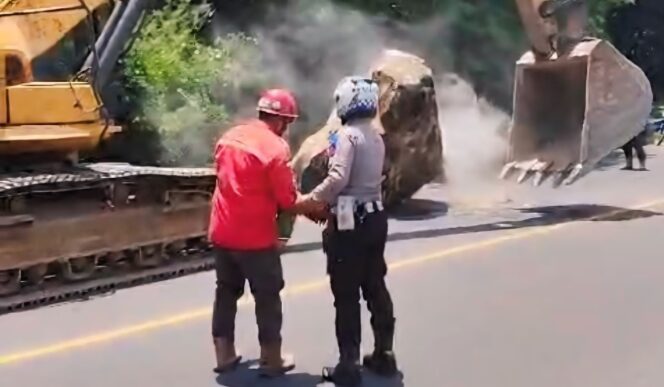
(94, 228)
(106, 282)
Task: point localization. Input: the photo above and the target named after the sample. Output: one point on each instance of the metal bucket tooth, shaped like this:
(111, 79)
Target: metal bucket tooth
(541, 171)
(561, 175)
(525, 174)
(574, 174)
(538, 179)
(507, 170)
(527, 169)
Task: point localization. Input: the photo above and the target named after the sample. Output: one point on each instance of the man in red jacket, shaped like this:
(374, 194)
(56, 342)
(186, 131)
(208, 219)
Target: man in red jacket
(254, 182)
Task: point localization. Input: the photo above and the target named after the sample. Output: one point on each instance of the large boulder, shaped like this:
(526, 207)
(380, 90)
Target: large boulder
(408, 121)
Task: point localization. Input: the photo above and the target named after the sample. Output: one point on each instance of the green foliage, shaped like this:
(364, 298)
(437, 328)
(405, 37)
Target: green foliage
(175, 80)
(599, 11)
(636, 29)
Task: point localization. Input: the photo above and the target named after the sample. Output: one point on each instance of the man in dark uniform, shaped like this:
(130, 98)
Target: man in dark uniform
(636, 144)
(354, 239)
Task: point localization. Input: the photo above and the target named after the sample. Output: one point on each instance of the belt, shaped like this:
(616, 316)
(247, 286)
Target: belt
(370, 207)
(364, 207)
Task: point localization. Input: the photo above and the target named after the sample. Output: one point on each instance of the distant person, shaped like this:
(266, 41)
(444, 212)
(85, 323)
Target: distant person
(636, 144)
(254, 182)
(356, 233)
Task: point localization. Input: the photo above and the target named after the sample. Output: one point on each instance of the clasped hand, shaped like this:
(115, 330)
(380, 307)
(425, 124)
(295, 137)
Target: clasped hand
(314, 210)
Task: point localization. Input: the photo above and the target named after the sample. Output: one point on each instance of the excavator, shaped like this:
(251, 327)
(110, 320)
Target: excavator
(62, 220)
(576, 98)
(68, 226)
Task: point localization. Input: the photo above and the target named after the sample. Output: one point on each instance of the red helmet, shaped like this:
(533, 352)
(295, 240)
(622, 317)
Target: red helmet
(279, 102)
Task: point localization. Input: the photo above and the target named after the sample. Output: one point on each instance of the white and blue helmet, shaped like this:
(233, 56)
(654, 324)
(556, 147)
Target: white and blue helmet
(355, 98)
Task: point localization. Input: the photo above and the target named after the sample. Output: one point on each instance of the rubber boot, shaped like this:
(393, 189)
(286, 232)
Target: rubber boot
(227, 357)
(273, 364)
(262, 361)
(382, 361)
(347, 372)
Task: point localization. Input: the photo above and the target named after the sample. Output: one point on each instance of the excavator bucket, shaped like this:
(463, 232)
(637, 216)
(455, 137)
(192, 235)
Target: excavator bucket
(572, 111)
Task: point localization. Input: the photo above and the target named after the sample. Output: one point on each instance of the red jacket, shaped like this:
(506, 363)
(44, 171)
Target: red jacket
(253, 181)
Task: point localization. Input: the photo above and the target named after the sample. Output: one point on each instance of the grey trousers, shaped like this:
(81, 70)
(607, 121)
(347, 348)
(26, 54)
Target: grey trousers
(263, 270)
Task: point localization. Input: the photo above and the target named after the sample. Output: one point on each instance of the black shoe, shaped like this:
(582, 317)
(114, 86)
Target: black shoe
(343, 375)
(381, 363)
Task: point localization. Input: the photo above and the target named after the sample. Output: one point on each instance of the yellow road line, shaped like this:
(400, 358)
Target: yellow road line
(304, 288)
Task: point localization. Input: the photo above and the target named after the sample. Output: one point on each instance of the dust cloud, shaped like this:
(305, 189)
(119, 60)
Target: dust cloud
(310, 45)
(474, 142)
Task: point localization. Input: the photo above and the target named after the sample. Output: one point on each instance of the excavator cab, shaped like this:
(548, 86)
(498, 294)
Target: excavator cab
(46, 112)
(576, 98)
(14, 70)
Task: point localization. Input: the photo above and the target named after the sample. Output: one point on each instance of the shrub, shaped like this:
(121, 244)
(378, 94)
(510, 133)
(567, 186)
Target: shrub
(174, 80)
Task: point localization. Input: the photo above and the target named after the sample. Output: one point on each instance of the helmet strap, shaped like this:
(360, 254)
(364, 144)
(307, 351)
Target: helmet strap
(277, 124)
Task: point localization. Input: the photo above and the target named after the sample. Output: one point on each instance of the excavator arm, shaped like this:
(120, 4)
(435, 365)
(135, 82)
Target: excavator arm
(576, 98)
(540, 31)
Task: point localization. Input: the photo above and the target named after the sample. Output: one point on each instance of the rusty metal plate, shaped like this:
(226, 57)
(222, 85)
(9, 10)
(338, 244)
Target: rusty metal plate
(62, 103)
(61, 238)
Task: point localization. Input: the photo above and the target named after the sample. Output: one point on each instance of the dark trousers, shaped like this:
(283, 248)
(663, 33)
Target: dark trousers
(356, 263)
(265, 275)
(635, 143)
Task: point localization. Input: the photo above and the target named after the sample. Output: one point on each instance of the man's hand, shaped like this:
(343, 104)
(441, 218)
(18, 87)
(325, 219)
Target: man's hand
(315, 210)
(318, 218)
(306, 204)
(281, 244)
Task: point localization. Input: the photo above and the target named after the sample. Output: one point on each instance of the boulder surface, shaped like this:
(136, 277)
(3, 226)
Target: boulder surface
(408, 121)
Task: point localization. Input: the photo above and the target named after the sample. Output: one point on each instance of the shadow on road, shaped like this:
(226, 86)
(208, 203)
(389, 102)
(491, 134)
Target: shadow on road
(591, 212)
(613, 159)
(547, 215)
(247, 376)
(419, 209)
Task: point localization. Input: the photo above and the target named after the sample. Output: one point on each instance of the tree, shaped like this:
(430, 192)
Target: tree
(637, 30)
(179, 86)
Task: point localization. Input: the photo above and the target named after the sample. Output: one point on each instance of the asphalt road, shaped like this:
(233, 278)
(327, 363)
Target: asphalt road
(507, 287)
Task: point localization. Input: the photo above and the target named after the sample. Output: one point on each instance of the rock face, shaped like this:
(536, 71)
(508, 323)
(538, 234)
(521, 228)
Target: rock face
(408, 121)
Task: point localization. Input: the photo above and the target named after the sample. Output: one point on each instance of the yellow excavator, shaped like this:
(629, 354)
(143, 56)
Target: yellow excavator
(64, 221)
